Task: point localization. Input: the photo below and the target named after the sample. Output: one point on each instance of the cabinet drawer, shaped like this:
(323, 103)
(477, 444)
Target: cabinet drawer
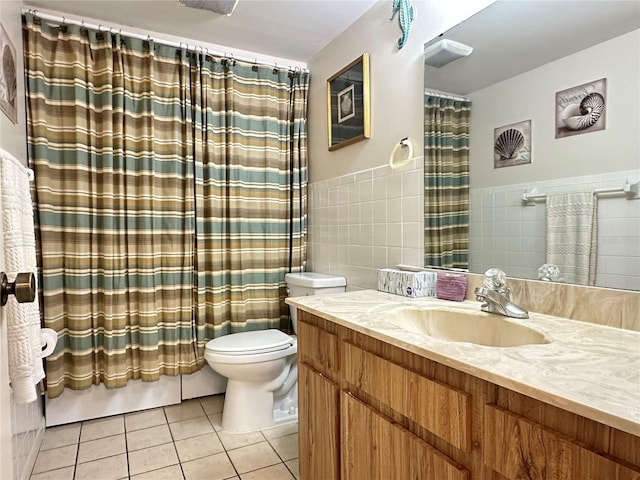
(375, 448)
(519, 448)
(443, 410)
(319, 349)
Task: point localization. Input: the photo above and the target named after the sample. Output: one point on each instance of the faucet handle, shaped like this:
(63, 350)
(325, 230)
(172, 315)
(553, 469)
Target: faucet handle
(496, 280)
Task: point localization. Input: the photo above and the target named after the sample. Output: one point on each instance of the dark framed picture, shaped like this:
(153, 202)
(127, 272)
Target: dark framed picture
(581, 109)
(512, 144)
(348, 104)
(8, 77)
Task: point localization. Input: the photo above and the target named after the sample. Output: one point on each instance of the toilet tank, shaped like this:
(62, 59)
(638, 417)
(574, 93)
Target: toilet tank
(311, 283)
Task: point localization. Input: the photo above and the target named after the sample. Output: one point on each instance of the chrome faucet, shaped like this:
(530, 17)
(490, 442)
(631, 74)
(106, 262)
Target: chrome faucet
(496, 295)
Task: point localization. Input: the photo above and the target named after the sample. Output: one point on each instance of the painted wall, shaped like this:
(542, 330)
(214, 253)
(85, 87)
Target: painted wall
(531, 95)
(396, 83)
(24, 423)
(362, 214)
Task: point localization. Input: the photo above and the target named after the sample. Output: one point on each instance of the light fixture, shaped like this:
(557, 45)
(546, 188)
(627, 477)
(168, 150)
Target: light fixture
(445, 51)
(223, 7)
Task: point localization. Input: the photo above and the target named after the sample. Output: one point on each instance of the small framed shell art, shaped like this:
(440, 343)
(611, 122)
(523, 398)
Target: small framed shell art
(512, 144)
(348, 117)
(581, 109)
(8, 77)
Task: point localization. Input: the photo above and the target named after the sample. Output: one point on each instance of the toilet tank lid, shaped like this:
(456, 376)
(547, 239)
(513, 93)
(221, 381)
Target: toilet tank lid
(254, 341)
(314, 280)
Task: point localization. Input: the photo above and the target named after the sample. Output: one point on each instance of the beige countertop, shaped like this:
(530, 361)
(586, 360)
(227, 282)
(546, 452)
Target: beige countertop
(588, 369)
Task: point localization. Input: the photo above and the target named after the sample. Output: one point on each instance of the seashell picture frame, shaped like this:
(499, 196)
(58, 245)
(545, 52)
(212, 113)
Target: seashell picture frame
(512, 144)
(581, 109)
(8, 75)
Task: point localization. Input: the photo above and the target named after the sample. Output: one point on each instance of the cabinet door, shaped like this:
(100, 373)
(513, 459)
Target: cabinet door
(375, 448)
(318, 426)
(520, 448)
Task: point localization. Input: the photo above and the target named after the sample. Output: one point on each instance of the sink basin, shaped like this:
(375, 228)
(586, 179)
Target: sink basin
(459, 325)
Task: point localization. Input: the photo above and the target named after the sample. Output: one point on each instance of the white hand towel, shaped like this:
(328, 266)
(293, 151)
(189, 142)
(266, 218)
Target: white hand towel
(23, 320)
(572, 236)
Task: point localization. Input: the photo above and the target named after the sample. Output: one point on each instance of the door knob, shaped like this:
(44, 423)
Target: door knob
(24, 288)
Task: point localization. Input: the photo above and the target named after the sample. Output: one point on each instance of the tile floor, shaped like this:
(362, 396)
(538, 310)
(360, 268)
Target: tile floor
(184, 441)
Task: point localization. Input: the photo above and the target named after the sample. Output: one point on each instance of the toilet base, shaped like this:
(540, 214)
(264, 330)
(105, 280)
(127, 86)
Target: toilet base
(248, 408)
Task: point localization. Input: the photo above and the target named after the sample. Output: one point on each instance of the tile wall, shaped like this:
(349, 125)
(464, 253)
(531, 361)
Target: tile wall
(373, 219)
(364, 221)
(505, 232)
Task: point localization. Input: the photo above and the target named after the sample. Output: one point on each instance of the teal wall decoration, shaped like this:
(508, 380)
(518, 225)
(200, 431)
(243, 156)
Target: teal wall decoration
(405, 17)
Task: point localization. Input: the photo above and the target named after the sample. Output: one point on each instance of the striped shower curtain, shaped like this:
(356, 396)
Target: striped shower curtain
(129, 189)
(446, 182)
(251, 180)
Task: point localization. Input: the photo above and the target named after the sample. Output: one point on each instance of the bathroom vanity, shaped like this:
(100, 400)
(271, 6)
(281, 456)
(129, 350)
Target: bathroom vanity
(380, 399)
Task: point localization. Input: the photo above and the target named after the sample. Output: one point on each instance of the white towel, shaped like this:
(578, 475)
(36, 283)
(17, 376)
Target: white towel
(23, 320)
(572, 236)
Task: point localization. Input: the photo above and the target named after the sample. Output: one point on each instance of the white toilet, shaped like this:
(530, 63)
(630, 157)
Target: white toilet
(311, 283)
(261, 368)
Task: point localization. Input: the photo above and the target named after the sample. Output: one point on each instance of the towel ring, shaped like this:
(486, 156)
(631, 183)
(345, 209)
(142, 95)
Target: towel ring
(405, 142)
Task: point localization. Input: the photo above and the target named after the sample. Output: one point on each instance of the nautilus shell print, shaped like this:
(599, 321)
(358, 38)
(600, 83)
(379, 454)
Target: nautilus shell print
(581, 109)
(509, 143)
(585, 114)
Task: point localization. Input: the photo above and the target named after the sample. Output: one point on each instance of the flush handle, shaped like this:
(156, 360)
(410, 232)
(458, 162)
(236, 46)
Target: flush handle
(24, 288)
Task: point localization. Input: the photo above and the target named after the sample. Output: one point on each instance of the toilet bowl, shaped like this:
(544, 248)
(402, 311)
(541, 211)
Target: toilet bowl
(261, 366)
(262, 378)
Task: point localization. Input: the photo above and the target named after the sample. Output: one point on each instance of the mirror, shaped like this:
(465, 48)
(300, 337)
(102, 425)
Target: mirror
(528, 58)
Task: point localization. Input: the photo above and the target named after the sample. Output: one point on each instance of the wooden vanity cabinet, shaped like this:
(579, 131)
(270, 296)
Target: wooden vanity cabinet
(369, 410)
(318, 403)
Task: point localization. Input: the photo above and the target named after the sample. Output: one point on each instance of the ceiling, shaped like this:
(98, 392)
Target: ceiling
(288, 29)
(512, 37)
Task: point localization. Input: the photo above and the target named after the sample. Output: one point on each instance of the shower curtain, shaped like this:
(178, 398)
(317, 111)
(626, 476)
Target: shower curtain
(446, 181)
(153, 168)
(251, 181)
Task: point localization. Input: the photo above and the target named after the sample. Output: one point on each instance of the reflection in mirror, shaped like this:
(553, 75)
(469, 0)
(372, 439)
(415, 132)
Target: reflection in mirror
(532, 65)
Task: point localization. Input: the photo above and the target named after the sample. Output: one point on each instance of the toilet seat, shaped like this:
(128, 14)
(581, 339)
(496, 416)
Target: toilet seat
(247, 344)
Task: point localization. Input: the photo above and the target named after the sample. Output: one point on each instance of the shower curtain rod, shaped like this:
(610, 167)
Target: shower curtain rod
(194, 48)
(445, 95)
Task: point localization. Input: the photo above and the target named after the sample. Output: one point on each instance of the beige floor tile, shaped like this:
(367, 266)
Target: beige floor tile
(102, 427)
(110, 468)
(253, 457)
(237, 440)
(198, 447)
(152, 458)
(212, 404)
(55, 458)
(174, 472)
(294, 467)
(190, 428)
(145, 419)
(101, 448)
(275, 472)
(286, 447)
(149, 437)
(216, 421)
(184, 411)
(214, 467)
(280, 430)
(55, 437)
(65, 473)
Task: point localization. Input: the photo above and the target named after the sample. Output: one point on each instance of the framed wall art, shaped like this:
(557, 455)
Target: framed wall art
(8, 78)
(581, 109)
(512, 144)
(348, 104)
